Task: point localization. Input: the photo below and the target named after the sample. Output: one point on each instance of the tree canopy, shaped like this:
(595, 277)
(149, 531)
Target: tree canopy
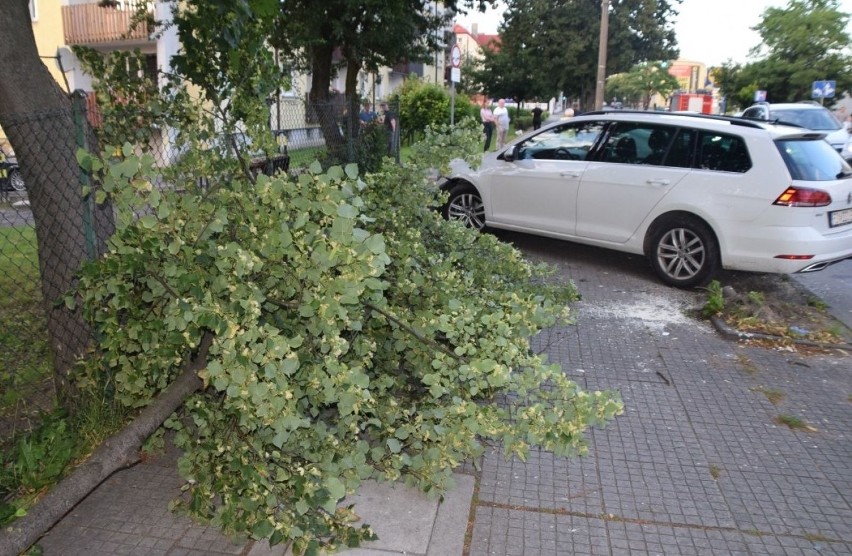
(805, 41)
(548, 48)
(642, 82)
(316, 37)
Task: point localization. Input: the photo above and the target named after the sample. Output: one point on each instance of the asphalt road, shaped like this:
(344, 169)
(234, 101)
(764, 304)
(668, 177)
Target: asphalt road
(834, 286)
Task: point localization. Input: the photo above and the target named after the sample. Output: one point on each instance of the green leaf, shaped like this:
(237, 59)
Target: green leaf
(376, 244)
(347, 211)
(84, 159)
(301, 506)
(335, 488)
(335, 172)
(148, 221)
(351, 171)
(394, 445)
(262, 529)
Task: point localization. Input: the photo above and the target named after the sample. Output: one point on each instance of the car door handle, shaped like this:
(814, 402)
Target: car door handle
(570, 174)
(657, 181)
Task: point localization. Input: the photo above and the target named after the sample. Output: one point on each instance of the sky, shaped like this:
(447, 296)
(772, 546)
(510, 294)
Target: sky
(708, 31)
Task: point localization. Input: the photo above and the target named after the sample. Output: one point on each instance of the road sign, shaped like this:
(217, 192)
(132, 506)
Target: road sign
(455, 56)
(823, 89)
(455, 75)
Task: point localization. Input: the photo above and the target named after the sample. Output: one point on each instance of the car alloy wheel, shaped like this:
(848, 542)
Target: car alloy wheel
(684, 252)
(16, 180)
(465, 205)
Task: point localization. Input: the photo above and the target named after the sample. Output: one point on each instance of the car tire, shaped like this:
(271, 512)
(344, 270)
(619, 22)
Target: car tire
(683, 252)
(16, 180)
(465, 205)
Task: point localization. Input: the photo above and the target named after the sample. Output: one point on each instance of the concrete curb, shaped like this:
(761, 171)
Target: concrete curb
(405, 520)
(734, 334)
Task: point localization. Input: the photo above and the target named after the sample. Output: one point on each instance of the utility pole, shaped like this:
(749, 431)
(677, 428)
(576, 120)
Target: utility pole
(601, 80)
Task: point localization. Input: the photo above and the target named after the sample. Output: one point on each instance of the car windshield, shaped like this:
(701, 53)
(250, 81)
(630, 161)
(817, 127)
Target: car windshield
(818, 120)
(812, 160)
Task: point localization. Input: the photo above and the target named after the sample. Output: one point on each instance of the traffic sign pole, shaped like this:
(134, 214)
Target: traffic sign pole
(455, 76)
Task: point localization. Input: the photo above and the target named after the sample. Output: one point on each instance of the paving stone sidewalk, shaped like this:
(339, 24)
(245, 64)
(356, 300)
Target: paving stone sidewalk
(699, 464)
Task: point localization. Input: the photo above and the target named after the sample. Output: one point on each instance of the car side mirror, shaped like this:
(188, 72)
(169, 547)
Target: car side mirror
(511, 154)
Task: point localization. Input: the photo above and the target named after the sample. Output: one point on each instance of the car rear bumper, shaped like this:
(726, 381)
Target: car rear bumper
(775, 251)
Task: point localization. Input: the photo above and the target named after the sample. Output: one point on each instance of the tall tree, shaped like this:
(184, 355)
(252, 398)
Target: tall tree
(366, 33)
(224, 50)
(805, 42)
(642, 82)
(360, 34)
(556, 43)
(39, 120)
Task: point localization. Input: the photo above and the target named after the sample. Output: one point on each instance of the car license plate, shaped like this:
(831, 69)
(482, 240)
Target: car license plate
(840, 217)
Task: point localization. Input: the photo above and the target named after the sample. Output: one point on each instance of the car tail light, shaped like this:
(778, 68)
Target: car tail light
(803, 197)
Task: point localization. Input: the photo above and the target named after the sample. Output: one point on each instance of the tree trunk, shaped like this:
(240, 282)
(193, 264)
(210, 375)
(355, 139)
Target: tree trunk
(327, 113)
(353, 68)
(353, 106)
(117, 452)
(38, 119)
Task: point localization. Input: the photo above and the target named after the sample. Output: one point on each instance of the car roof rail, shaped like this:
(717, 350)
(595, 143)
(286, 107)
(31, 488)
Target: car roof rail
(733, 120)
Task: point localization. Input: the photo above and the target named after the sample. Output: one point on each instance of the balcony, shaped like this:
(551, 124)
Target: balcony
(87, 23)
(407, 69)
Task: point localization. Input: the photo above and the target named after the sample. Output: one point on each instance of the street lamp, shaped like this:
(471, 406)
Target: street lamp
(601, 79)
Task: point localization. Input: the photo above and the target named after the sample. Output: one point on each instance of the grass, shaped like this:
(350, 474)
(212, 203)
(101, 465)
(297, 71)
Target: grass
(818, 304)
(774, 396)
(38, 442)
(747, 364)
(25, 364)
(715, 303)
(794, 422)
(42, 456)
(817, 537)
(715, 471)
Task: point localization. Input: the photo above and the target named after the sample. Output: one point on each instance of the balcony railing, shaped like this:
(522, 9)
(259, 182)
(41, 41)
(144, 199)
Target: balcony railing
(90, 24)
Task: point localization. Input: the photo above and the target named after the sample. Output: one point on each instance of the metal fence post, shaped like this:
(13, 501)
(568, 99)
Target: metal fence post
(78, 101)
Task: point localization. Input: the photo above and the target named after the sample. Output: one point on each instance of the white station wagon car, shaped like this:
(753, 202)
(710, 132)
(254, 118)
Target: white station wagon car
(692, 193)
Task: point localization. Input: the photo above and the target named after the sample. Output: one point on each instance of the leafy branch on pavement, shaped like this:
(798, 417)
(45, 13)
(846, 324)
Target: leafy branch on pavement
(314, 381)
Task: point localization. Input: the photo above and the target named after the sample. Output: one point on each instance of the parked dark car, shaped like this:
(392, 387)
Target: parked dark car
(10, 174)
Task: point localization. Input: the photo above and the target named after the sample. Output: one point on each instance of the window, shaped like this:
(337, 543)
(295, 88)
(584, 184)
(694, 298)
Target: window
(756, 113)
(819, 120)
(569, 141)
(812, 160)
(638, 143)
(724, 153)
(682, 151)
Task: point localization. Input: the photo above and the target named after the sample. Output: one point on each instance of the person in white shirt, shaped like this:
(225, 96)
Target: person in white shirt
(488, 119)
(501, 113)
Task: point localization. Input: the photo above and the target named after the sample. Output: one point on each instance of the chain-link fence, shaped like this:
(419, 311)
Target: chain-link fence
(38, 263)
(49, 227)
